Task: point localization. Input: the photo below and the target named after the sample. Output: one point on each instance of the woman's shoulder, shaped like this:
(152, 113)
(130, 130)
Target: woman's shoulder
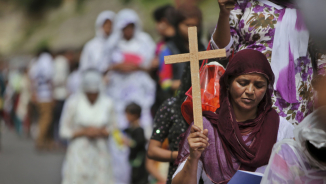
(91, 43)
(285, 130)
(74, 98)
(143, 36)
(170, 102)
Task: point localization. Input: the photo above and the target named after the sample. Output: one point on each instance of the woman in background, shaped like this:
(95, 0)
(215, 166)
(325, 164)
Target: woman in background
(129, 81)
(187, 15)
(88, 119)
(93, 54)
(131, 58)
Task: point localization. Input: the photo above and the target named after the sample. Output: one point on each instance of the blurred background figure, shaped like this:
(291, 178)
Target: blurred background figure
(132, 54)
(88, 119)
(73, 81)
(169, 122)
(187, 15)
(41, 74)
(12, 99)
(24, 99)
(160, 72)
(93, 53)
(136, 141)
(60, 93)
(131, 59)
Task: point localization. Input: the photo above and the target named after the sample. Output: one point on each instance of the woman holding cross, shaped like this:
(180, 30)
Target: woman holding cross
(275, 28)
(241, 133)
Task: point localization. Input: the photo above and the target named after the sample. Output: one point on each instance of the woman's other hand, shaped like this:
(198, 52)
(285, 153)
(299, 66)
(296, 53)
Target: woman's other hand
(197, 141)
(224, 6)
(92, 132)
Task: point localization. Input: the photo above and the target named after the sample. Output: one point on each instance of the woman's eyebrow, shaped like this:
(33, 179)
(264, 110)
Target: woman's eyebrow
(241, 79)
(260, 82)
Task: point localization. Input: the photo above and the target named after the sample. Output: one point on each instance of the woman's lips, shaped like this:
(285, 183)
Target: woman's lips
(247, 100)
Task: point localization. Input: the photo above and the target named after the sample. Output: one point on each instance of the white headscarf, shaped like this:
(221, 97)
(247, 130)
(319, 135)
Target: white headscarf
(102, 17)
(92, 81)
(312, 129)
(93, 55)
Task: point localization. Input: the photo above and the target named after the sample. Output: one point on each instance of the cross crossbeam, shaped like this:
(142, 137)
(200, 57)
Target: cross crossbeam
(194, 56)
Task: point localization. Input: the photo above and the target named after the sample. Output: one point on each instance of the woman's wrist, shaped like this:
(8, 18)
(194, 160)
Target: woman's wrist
(224, 15)
(193, 159)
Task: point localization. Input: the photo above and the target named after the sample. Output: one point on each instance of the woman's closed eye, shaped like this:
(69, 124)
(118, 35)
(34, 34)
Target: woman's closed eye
(243, 82)
(260, 85)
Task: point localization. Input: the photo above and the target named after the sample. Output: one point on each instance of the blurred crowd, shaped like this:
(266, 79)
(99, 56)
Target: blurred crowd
(99, 102)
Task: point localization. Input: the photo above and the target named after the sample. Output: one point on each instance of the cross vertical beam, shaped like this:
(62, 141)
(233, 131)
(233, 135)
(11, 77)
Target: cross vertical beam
(195, 80)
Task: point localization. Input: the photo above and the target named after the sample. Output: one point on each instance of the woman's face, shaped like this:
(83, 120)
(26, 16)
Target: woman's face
(128, 31)
(107, 27)
(247, 91)
(92, 97)
(164, 28)
(183, 26)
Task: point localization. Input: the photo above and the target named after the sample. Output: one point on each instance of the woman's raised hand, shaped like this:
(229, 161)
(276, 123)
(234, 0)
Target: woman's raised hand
(226, 6)
(197, 141)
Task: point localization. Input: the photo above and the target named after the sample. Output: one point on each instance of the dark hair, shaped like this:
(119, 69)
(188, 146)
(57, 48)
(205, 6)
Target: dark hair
(133, 109)
(318, 154)
(184, 12)
(163, 12)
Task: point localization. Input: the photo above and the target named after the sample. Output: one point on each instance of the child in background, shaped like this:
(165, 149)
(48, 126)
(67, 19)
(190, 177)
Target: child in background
(136, 141)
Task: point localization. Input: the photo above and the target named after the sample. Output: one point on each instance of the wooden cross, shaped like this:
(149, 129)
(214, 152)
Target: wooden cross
(194, 56)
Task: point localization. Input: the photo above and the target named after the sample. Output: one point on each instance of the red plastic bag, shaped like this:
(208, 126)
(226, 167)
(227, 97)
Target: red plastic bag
(210, 76)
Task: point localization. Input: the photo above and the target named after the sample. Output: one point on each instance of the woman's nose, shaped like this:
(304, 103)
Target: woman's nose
(250, 89)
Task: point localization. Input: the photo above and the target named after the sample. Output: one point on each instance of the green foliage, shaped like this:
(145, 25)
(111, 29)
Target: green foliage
(43, 44)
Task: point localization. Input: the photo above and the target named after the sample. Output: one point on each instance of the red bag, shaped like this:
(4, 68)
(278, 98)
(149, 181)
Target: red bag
(210, 75)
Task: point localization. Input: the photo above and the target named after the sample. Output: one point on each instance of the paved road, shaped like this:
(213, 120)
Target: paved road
(21, 164)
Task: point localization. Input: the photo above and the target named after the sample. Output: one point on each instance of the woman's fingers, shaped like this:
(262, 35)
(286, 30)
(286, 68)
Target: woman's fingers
(197, 142)
(200, 141)
(195, 128)
(226, 5)
(197, 135)
(198, 145)
(198, 138)
(205, 132)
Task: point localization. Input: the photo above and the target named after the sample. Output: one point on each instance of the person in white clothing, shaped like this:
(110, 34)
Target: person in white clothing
(131, 57)
(87, 121)
(41, 73)
(92, 55)
(61, 72)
